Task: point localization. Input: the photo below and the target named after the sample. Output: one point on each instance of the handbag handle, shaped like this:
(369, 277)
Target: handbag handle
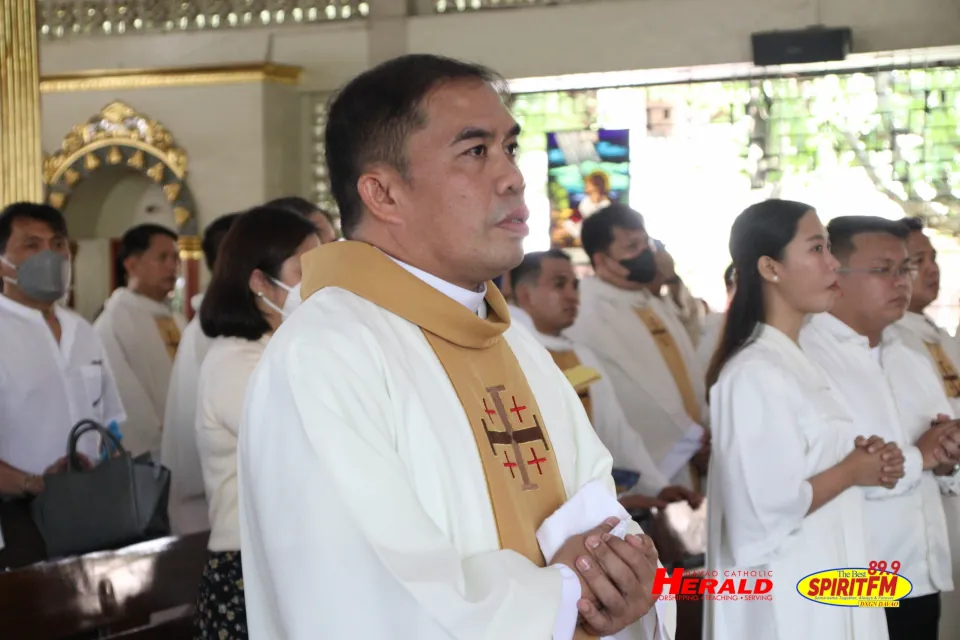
(84, 427)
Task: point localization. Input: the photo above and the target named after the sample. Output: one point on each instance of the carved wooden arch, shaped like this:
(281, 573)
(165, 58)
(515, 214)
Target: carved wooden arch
(120, 136)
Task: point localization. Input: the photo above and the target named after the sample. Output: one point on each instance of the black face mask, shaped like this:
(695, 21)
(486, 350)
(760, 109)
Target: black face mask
(643, 268)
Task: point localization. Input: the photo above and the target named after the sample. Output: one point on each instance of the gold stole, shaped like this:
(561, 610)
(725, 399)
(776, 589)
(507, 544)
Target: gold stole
(678, 369)
(169, 333)
(523, 480)
(948, 372)
(568, 360)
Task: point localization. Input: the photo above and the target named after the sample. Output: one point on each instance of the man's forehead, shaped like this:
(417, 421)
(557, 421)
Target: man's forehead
(629, 235)
(462, 104)
(30, 228)
(554, 267)
(879, 246)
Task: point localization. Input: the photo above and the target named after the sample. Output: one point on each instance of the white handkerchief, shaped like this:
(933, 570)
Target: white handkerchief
(685, 448)
(588, 508)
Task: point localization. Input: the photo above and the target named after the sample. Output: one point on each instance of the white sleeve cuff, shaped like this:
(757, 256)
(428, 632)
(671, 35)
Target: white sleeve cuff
(589, 507)
(568, 613)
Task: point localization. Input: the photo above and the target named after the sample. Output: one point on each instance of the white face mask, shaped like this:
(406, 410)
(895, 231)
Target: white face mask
(290, 304)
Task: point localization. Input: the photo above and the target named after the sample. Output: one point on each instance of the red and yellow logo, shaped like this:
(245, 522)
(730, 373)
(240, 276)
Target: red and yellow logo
(857, 587)
(713, 585)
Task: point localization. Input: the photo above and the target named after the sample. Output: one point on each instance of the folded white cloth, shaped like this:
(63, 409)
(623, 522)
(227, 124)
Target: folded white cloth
(591, 505)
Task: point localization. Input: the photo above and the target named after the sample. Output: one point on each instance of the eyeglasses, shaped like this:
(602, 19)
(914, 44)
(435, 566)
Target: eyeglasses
(908, 271)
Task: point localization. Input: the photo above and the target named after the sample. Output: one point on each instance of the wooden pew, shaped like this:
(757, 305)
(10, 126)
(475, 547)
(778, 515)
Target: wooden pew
(104, 593)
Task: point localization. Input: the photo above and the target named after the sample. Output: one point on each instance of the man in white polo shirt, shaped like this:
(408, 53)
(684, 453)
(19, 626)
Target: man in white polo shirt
(53, 372)
(893, 392)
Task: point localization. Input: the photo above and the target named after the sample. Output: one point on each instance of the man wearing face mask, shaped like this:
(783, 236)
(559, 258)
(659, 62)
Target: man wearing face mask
(53, 368)
(643, 345)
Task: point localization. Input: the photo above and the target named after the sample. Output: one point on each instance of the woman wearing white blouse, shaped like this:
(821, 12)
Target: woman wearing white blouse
(784, 474)
(255, 285)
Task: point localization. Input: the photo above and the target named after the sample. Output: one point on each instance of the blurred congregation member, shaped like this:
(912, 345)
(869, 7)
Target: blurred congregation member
(412, 466)
(784, 492)
(320, 218)
(893, 392)
(188, 504)
(713, 325)
(942, 352)
(141, 333)
(546, 288)
(255, 287)
(642, 344)
(669, 287)
(53, 368)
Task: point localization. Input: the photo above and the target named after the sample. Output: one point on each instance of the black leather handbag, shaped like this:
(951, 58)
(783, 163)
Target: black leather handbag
(119, 502)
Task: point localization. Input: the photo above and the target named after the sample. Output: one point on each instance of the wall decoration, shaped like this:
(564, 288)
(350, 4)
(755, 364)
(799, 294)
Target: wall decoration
(587, 170)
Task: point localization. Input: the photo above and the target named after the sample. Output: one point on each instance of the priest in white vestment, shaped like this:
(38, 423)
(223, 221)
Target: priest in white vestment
(643, 345)
(188, 504)
(546, 289)
(942, 352)
(891, 391)
(141, 333)
(410, 465)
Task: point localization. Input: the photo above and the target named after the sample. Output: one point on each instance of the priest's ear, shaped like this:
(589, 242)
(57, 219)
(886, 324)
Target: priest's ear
(769, 269)
(381, 189)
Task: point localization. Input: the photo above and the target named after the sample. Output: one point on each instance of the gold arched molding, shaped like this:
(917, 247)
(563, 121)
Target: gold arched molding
(120, 136)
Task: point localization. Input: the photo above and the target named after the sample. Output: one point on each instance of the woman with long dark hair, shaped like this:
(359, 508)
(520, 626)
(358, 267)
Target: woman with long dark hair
(784, 474)
(255, 286)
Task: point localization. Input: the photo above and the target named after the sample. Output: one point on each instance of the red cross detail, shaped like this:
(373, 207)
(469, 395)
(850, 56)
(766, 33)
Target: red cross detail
(489, 412)
(536, 461)
(509, 465)
(517, 409)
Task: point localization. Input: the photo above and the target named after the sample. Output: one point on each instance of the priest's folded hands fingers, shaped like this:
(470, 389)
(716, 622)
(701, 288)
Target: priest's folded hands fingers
(950, 443)
(621, 575)
(871, 444)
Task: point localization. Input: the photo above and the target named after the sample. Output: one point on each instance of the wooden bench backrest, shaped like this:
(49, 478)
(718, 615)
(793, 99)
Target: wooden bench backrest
(116, 589)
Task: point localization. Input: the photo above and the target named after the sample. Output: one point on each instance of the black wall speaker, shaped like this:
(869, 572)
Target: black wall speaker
(817, 44)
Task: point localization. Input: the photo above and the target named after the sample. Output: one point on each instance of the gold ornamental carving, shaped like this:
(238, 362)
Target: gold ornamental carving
(118, 135)
(116, 124)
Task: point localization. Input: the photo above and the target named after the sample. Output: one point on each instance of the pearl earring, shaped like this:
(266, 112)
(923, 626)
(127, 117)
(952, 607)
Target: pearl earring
(776, 278)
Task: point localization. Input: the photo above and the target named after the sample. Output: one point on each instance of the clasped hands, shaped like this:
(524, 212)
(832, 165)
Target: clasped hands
(943, 450)
(616, 577)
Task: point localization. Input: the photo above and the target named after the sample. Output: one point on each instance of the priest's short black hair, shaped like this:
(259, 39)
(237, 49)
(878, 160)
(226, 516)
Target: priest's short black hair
(29, 211)
(262, 238)
(213, 236)
(913, 223)
(844, 229)
(136, 242)
(532, 265)
(596, 234)
(371, 118)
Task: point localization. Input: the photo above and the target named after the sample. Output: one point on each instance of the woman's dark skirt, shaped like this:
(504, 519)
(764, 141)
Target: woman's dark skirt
(221, 611)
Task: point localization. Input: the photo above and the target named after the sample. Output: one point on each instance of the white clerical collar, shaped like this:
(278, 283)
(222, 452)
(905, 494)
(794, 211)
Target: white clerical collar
(595, 287)
(921, 323)
(29, 313)
(843, 332)
(554, 343)
(472, 300)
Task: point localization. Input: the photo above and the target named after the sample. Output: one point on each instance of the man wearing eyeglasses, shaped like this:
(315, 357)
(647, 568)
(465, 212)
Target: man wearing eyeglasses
(890, 390)
(942, 353)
